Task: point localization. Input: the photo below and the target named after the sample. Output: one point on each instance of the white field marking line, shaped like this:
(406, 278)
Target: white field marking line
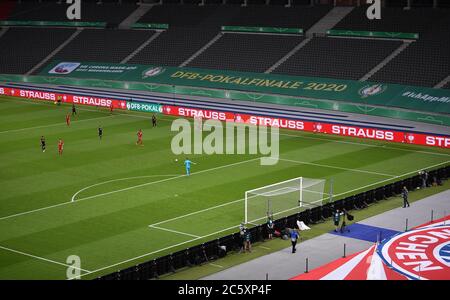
(196, 212)
(338, 168)
(159, 250)
(216, 265)
(174, 231)
(42, 258)
(119, 179)
(263, 247)
(136, 115)
(52, 125)
(362, 144)
(236, 226)
(163, 180)
(132, 187)
(34, 210)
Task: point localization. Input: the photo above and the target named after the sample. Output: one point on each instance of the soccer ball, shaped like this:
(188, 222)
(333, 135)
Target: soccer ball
(176, 159)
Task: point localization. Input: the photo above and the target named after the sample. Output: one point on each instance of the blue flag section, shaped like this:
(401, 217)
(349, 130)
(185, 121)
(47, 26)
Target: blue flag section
(366, 232)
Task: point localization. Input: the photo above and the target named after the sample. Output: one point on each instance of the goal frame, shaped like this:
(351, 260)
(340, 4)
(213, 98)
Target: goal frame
(300, 199)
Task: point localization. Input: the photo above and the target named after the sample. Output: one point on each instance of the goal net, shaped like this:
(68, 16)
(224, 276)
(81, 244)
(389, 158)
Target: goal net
(283, 198)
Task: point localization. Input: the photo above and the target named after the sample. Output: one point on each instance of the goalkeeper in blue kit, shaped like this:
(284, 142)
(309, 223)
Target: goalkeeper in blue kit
(187, 164)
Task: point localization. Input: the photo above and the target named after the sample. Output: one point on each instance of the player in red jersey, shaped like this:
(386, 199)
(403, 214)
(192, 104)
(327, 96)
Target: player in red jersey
(68, 119)
(111, 108)
(139, 135)
(60, 146)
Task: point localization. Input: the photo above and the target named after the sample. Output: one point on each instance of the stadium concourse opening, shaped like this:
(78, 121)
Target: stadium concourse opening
(89, 92)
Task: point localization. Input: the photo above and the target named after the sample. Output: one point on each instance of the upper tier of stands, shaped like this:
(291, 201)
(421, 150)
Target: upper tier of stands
(52, 11)
(424, 62)
(214, 16)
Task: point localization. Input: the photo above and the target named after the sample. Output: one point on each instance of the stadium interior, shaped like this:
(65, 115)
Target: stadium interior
(326, 39)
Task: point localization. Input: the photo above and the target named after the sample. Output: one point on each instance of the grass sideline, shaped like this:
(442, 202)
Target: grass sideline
(270, 246)
(120, 189)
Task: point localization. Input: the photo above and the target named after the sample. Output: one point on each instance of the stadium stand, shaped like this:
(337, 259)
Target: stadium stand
(279, 16)
(343, 58)
(178, 15)
(102, 45)
(252, 15)
(174, 46)
(246, 52)
(112, 13)
(15, 44)
(426, 61)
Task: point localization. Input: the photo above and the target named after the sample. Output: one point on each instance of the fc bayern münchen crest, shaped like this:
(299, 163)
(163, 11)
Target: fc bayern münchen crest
(420, 253)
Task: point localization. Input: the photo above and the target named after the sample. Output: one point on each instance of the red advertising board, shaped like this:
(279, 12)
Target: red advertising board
(67, 98)
(327, 128)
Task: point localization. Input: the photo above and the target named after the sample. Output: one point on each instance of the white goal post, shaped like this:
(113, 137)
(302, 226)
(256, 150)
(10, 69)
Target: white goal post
(283, 197)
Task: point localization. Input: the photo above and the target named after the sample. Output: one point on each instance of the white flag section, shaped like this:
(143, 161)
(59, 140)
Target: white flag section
(376, 268)
(302, 226)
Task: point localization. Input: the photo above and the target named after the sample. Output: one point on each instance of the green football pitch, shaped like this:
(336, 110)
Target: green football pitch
(115, 204)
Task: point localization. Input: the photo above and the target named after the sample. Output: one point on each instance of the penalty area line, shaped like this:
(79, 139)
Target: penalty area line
(174, 231)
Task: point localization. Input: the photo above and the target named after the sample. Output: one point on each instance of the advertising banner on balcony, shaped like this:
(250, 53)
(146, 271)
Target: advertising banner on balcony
(257, 85)
(64, 98)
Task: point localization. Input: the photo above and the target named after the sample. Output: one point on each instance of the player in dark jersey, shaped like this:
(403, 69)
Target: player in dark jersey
(100, 132)
(153, 121)
(74, 110)
(43, 143)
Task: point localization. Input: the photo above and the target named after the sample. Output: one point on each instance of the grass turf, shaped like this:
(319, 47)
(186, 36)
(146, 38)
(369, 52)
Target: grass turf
(120, 188)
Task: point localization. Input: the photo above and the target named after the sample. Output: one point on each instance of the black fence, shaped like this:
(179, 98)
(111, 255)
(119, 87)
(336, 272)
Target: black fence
(218, 248)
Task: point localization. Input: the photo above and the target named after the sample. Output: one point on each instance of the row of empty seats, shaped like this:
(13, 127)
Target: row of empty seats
(51, 11)
(343, 58)
(214, 16)
(425, 62)
(23, 48)
(174, 46)
(102, 45)
(246, 52)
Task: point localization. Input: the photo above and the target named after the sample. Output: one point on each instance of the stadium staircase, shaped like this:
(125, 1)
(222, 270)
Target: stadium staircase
(54, 52)
(443, 83)
(144, 44)
(386, 60)
(288, 55)
(207, 45)
(333, 17)
(135, 16)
